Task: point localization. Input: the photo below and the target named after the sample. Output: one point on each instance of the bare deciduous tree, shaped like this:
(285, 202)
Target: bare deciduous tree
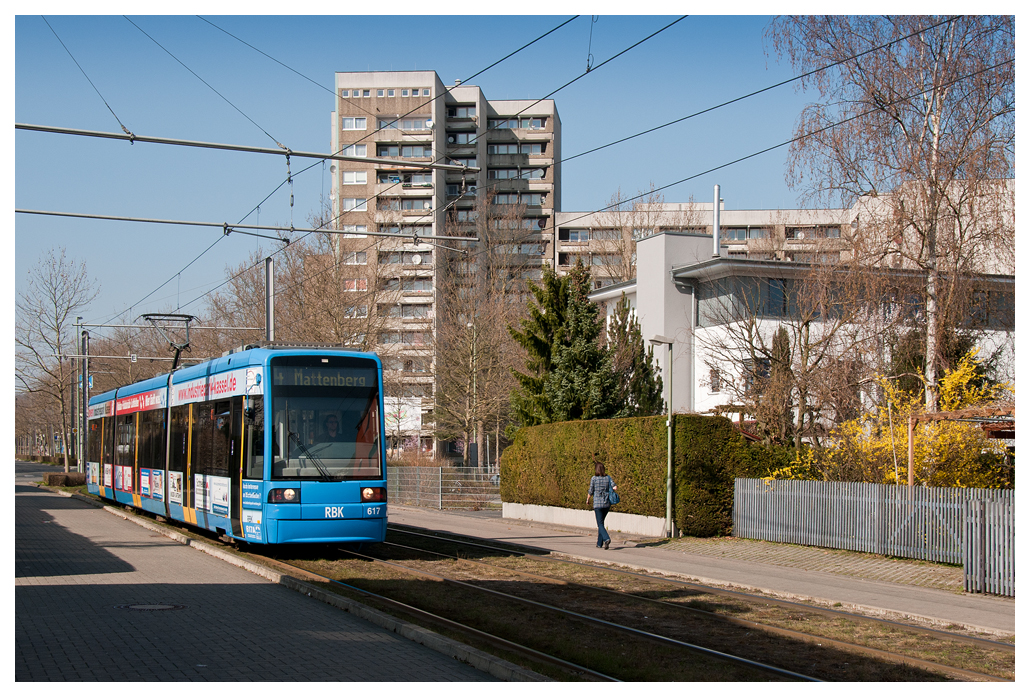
(58, 289)
(480, 292)
(924, 132)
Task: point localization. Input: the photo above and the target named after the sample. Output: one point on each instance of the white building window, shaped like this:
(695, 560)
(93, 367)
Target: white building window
(354, 150)
(425, 92)
(380, 93)
(355, 204)
(355, 177)
(714, 381)
(355, 284)
(353, 258)
(357, 123)
(354, 230)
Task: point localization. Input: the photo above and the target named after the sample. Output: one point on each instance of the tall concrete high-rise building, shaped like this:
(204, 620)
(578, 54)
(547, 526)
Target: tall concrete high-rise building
(413, 118)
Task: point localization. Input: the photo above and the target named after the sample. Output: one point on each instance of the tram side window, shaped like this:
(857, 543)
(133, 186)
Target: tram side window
(203, 420)
(180, 420)
(152, 439)
(222, 442)
(254, 433)
(125, 453)
(94, 440)
(108, 438)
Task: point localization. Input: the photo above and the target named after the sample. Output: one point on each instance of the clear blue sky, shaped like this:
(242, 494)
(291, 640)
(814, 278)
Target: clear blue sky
(699, 62)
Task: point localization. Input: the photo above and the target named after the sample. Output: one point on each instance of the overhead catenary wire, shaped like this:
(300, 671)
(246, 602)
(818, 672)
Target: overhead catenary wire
(236, 227)
(87, 77)
(785, 143)
(480, 72)
(447, 91)
(759, 91)
(192, 72)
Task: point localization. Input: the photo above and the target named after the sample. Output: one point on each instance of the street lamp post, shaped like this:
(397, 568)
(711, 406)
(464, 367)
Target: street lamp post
(658, 340)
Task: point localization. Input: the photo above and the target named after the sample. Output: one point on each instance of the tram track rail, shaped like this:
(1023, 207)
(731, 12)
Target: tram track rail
(769, 628)
(720, 655)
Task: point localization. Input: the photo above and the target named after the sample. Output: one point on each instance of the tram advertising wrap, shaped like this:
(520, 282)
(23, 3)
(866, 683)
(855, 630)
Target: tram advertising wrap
(267, 445)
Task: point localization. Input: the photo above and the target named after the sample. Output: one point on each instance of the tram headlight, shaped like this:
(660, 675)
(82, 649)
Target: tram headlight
(284, 496)
(373, 493)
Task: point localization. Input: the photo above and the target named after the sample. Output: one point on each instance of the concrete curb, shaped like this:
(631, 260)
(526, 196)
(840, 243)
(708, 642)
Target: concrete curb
(490, 664)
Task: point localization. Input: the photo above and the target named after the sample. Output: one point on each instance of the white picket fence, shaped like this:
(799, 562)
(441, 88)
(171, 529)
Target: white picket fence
(972, 527)
(443, 487)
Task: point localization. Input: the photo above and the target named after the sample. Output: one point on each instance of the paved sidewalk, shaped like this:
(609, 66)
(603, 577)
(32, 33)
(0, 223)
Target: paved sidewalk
(98, 598)
(870, 567)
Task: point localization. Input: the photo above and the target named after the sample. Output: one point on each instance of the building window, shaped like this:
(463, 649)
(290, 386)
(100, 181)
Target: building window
(386, 124)
(352, 258)
(354, 204)
(354, 230)
(380, 93)
(465, 216)
(573, 235)
(464, 161)
(533, 174)
(416, 151)
(812, 232)
(355, 311)
(366, 93)
(416, 204)
(607, 235)
(734, 234)
(526, 199)
(461, 112)
(406, 258)
(755, 370)
(355, 177)
(406, 230)
(714, 380)
(502, 149)
(502, 174)
(461, 138)
(757, 233)
(354, 150)
(417, 389)
(355, 284)
(532, 148)
(404, 93)
(389, 93)
(530, 123)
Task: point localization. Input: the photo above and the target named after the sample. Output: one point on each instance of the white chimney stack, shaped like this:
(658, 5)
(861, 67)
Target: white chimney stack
(715, 223)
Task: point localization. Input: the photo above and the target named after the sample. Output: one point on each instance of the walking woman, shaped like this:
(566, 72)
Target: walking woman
(599, 492)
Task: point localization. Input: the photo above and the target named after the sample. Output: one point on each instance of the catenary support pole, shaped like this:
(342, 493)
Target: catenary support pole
(269, 299)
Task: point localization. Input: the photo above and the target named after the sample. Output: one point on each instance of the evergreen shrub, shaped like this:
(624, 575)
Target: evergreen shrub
(551, 465)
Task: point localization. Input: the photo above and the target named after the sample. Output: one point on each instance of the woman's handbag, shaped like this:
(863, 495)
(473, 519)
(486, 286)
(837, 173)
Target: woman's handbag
(613, 496)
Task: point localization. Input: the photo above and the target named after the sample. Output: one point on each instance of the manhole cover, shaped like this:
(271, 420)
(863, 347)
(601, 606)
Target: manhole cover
(148, 607)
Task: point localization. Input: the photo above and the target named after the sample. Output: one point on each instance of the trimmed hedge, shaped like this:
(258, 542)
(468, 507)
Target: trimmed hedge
(551, 465)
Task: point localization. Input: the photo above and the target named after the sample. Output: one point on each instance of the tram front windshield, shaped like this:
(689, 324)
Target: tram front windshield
(325, 418)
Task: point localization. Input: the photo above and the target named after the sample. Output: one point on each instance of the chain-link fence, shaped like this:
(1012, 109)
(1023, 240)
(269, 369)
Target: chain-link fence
(469, 488)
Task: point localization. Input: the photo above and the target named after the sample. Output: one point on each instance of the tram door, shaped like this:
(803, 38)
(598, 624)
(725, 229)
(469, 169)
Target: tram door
(236, 465)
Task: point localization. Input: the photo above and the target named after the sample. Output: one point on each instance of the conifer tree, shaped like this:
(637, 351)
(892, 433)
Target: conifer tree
(540, 332)
(582, 383)
(638, 377)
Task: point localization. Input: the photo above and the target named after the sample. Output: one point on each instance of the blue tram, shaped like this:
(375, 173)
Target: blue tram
(268, 445)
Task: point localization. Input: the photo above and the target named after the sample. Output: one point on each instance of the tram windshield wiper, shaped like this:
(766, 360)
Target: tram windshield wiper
(326, 476)
(323, 471)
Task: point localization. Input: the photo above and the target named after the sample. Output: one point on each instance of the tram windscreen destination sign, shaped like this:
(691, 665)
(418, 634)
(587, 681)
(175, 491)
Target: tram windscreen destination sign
(295, 376)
